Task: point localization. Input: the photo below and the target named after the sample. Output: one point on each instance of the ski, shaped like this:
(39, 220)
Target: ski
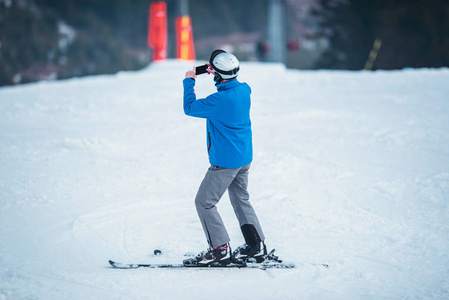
(271, 261)
(261, 266)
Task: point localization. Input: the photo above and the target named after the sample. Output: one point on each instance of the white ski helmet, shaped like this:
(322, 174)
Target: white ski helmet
(225, 65)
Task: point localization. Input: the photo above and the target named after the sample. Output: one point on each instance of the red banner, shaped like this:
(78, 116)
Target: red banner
(157, 30)
(185, 48)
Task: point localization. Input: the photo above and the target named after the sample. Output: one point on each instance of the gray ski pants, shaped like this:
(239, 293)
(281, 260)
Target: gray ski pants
(214, 185)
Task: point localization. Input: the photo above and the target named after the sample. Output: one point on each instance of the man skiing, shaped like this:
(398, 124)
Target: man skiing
(229, 145)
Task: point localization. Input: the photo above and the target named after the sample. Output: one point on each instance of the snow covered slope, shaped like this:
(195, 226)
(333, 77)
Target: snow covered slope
(350, 169)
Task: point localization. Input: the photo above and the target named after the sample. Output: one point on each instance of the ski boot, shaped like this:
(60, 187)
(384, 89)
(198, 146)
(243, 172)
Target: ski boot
(220, 256)
(251, 253)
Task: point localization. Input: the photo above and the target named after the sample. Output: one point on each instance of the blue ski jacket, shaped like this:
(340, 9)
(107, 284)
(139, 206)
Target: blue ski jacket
(229, 136)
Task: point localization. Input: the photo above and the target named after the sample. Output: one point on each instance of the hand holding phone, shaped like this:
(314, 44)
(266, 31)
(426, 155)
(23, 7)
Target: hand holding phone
(191, 74)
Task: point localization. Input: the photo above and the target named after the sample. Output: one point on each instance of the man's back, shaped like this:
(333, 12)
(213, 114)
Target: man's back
(229, 137)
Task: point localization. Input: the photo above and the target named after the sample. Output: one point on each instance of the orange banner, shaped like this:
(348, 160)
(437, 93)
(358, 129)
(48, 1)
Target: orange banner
(185, 48)
(157, 30)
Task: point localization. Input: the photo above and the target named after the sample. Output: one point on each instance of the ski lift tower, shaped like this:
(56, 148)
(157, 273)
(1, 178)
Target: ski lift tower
(183, 7)
(277, 31)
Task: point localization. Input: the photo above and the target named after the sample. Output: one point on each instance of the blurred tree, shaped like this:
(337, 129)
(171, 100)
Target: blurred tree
(414, 33)
(349, 26)
(26, 36)
(110, 35)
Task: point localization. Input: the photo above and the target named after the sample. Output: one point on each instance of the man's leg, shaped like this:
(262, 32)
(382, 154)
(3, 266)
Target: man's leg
(249, 223)
(215, 183)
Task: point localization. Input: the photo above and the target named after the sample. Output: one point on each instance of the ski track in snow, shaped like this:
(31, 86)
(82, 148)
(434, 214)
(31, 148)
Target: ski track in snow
(350, 169)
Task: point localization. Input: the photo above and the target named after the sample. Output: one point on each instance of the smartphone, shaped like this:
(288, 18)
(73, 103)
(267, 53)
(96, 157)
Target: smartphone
(201, 69)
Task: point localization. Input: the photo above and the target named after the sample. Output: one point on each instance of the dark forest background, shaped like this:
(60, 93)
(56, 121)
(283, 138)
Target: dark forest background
(51, 39)
(414, 33)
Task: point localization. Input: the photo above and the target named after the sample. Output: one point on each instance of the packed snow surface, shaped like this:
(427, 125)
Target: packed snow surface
(350, 169)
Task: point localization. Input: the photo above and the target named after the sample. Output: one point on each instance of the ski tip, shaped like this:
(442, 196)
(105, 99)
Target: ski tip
(117, 265)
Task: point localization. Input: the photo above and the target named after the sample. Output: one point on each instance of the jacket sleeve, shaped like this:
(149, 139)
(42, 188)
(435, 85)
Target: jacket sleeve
(201, 108)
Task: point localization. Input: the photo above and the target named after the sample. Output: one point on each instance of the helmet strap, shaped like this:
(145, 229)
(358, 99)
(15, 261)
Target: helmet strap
(217, 78)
